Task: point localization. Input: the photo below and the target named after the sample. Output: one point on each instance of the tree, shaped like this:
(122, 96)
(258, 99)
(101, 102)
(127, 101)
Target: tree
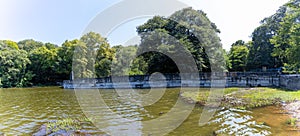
(227, 60)
(160, 61)
(29, 45)
(260, 51)
(239, 43)
(13, 64)
(126, 62)
(8, 45)
(185, 30)
(287, 40)
(80, 61)
(138, 66)
(43, 65)
(65, 58)
(92, 57)
(238, 56)
(265, 51)
(203, 34)
(50, 46)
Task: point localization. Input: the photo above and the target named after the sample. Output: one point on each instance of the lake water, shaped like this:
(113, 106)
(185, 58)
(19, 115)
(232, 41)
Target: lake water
(23, 111)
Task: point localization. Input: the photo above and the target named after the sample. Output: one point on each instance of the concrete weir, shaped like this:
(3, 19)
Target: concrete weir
(205, 80)
(291, 82)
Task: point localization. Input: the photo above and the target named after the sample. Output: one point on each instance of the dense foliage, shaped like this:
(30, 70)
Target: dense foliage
(186, 30)
(275, 43)
(238, 56)
(13, 62)
(287, 40)
(127, 62)
(30, 62)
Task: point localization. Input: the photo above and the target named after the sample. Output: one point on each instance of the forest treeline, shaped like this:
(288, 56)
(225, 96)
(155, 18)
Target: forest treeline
(274, 45)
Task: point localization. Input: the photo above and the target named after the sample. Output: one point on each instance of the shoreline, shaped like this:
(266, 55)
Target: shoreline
(293, 109)
(245, 98)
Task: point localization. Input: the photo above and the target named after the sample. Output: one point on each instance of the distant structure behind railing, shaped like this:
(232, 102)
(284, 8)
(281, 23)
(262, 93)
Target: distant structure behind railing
(232, 79)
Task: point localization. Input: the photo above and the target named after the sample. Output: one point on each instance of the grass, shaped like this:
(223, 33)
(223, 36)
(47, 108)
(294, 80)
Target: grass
(67, 124)
(291, 121)
(245, 98)
(201, 95)
(258, 97)
(196, 95)
(231, 90)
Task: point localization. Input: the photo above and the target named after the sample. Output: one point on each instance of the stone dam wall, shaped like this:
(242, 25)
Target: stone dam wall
(205, 80)
(290, 82)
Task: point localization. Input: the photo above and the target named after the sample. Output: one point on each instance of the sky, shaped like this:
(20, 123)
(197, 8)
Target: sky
(58, 20)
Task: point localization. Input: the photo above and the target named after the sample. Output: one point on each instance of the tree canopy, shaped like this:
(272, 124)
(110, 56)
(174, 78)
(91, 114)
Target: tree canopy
(238, 56)
(13, 64)
(274, 43)
(186, 30)
(287, 40)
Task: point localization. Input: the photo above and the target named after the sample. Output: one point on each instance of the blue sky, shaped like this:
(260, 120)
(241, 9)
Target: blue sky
(58, 20)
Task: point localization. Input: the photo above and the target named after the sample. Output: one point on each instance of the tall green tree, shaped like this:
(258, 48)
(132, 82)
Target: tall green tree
(80, 61)
(261, 49)
(43, 65)
(287, 40)
(186, 30)
(65, 58)
(126, 62)
(29, 45)
(166, 46)
(265, 50)
(227, 60)
(8, 45)
(13, 64)
(92, 57)
(238, 56)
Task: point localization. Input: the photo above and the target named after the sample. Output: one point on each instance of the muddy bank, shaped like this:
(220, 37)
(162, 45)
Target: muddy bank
(293, 109)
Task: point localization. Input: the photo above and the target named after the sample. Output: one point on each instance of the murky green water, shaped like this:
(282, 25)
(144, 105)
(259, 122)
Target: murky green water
(23, 111)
